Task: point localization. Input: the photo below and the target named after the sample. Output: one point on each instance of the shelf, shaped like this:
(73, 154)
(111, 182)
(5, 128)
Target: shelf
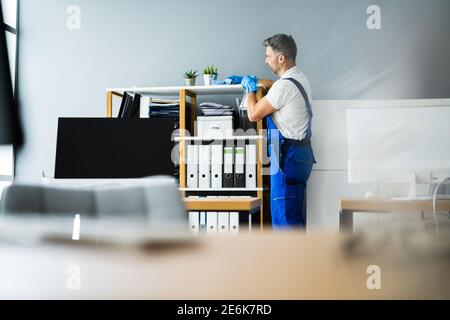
(235, 204)
(222, 189)
(175, 91)
(183, 93)
(224, 138)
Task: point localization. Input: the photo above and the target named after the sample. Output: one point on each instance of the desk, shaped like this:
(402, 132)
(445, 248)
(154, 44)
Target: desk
(284, 265)
(348, 206)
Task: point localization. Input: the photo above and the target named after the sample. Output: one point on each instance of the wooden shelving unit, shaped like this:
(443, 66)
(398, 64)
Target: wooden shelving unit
(191, 93)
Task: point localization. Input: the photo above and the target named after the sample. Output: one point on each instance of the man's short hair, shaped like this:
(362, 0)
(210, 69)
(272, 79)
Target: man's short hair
(284, 44)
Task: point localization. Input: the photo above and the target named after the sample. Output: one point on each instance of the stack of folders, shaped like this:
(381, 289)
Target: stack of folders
(216, 109)
(138, 106)
(211, 223)
(162, 108)
(216, 166)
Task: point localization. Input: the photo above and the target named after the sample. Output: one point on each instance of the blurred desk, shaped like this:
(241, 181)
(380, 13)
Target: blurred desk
(287, 265)
(348, 206)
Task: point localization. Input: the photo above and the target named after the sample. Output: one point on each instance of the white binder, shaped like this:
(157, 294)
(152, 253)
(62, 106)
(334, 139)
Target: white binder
(204, 168)
(223, 221)
(202, 223)
(211, 223)
(144, 109)
(234, 222)
(216, 166)
(250, 166)
(192, 165)
(194, 221)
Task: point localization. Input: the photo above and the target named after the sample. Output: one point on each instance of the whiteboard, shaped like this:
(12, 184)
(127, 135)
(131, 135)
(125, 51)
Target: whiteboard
(388, 144)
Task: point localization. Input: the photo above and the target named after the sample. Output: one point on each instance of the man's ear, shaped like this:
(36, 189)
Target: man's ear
(281, 58)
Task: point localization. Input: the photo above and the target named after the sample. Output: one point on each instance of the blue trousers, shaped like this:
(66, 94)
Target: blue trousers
(290, 170)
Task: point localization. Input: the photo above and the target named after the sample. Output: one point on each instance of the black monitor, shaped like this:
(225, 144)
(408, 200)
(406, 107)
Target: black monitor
(113, 148)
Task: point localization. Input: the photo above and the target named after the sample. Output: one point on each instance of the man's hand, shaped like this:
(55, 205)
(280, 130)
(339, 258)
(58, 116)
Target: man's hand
(250, 84)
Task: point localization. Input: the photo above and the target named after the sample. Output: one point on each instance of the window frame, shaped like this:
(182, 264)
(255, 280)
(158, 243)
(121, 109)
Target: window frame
(14, 32)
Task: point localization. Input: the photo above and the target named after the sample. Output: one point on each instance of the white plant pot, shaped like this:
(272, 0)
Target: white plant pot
(190, 82)
(208, 79)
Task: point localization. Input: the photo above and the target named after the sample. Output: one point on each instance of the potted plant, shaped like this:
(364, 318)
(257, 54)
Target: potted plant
(209, 74)
(190, 77)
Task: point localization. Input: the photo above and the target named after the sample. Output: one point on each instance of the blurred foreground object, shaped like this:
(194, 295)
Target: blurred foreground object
(411, 265)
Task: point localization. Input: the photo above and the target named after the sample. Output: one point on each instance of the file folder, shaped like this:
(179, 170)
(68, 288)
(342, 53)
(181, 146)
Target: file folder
(202, 223)
(211, 223)
(223, 222)
(228, 157)
(239, 167)
(204, 169)
(234, 222)
(126, 101)
(194, 222)
(250, 166)
(192, 165)
(216, 166)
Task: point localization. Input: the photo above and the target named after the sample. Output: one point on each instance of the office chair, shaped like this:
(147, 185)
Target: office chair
(156, 201)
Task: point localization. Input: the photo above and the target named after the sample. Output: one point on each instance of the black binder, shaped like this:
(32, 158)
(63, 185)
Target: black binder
(228, 167)
(135, 107)
(125, 106)
(239, 180)
(228, 180)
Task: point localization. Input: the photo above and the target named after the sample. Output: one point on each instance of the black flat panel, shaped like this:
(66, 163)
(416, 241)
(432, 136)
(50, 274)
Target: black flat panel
(10, 128)
(113, 148)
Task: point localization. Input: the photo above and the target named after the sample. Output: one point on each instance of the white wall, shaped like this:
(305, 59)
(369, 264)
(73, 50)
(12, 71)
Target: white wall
(64, 73)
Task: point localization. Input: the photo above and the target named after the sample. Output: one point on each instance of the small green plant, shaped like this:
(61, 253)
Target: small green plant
(191, 74)
(210, 70)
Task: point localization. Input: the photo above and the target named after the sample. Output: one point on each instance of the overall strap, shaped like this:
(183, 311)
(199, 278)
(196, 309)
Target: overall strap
(307, 103)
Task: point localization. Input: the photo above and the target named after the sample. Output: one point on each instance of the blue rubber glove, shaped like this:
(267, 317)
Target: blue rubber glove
(250, 84)
(233, 79)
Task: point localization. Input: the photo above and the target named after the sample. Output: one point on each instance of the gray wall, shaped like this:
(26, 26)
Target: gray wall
(64, 73)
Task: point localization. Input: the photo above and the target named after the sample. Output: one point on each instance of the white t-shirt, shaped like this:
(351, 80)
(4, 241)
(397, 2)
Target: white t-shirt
(291, 116)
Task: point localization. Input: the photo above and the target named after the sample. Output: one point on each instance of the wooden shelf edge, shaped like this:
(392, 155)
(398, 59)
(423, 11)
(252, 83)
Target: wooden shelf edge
(211, 204)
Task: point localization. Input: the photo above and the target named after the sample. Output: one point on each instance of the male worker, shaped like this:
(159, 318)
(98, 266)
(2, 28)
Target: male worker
(287, 107)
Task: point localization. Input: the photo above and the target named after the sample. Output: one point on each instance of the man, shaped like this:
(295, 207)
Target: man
(287, 107)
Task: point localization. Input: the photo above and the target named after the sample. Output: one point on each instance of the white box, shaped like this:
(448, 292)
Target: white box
(215, 127)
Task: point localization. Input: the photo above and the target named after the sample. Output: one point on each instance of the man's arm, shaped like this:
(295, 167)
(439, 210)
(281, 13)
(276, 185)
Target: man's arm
(257, 110)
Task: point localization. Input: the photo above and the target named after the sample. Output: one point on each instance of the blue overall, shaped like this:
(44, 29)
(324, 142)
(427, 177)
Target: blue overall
(291, 162)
